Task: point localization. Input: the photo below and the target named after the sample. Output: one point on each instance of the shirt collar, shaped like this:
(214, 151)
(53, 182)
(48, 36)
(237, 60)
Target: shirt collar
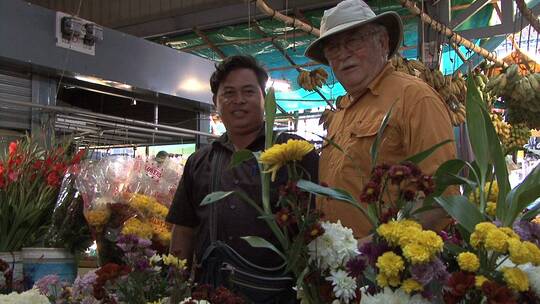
(224, 141)
(374, 86)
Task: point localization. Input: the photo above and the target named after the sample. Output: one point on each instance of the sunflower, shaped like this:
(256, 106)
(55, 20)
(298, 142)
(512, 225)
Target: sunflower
(280, 154)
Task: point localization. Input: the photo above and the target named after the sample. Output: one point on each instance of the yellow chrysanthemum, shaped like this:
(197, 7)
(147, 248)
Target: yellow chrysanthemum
(390, 231)
(491, 208)
(161, 231)
(97, 217)
(431, 241)
(134, 226)
(468, 261)
(410, 285)
(534, 252)
(493, 195)
(409, 235)
(496, 240)
(390, 264)
(171, 260)
(476, 240)
(479, 280)
(148, 205)
(417, 254)
(280, 154)
(484, 227)
(516, 279)
(510, 232)
(384, 281)
(519, 253)
(410, 223)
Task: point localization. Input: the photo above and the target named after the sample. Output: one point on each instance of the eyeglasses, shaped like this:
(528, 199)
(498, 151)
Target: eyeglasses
(350, 42)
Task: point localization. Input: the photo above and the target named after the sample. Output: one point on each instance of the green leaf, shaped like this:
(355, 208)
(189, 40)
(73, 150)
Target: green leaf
(258, 242)
(523, 195)
(240, 156)
(337, 194)
(454, 249)
(531, 214)
(215, 196)
(419, 157)
(464, 212)
(375, 146)
(443, 177)
(270, 116)
(477, 130)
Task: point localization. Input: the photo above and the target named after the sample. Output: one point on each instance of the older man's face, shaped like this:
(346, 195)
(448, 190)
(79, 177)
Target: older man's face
(356, 56)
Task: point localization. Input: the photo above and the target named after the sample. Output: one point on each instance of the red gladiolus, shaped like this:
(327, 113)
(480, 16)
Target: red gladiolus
(77, 158)
(13, 148)
(53, 179)
(59, 168)
(37, 164)
(12, 175)
(19, 160)
(2, 169)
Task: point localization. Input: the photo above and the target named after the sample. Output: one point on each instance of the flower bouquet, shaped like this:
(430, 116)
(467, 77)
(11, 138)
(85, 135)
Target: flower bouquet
(127, 196)
(30, 177)
(143, 277)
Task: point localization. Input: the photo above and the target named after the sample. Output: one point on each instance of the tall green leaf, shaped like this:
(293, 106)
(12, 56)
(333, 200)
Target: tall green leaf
(522, 196)
(258, 242)
(375, 146)
(240, 156)
(214, 197)
(270, 116)
(464, 212)
(419, 157)
(444, 175)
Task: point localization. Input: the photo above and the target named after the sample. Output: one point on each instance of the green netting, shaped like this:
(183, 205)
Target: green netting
(248, 41)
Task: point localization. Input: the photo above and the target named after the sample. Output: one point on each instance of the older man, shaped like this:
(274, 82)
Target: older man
(357, 45)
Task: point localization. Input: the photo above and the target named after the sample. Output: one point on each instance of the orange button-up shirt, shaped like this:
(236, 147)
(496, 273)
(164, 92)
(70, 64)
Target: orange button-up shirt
(419, 120)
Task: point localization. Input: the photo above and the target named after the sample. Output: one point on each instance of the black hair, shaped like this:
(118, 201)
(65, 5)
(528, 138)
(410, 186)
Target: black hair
(237, 62)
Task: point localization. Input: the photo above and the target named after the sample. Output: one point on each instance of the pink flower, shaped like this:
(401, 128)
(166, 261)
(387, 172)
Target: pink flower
(13, 148)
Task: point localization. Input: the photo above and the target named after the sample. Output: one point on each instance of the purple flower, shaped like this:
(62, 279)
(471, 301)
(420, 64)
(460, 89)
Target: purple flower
(48, 284)
(83, 286)
(425, 273)
(372, 251)
(528, 231)
(143, 243)
(356, 266)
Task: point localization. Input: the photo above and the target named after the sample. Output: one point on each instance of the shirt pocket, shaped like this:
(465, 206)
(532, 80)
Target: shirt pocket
(362, 137)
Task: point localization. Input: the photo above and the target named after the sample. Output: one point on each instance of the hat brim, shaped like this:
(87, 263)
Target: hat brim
(391, 20)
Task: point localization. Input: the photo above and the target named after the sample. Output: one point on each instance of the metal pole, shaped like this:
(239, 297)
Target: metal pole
(108, 117)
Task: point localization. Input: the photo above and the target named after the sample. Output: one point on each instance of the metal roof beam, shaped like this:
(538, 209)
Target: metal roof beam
(467, 13)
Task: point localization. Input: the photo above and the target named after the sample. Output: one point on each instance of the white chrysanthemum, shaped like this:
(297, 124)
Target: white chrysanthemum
(344, 285)
(334, 248)
(392, 297)
(533, 272)
(30, 296)
(189, 300)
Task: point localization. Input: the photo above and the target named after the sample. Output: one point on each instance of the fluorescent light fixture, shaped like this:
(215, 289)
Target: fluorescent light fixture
(194, 85)
(280, 85)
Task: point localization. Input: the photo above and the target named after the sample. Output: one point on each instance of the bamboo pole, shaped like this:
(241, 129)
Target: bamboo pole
(459, 40)
(261, 4)
(528, 14)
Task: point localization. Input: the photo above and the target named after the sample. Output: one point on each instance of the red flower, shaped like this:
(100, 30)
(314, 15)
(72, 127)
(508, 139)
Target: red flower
(13, 148)
(415, 171)
(19, 160)
(408, 195)
(77, 158)
(460, 283)
(53, 179)
(108, 272)
(225, 296)
(398, 173)
(371, 192)
(378, 172)
(284, 217)
(2, 169)
(13, 175)
(37, 164)
(289, 188)
(314, 232)
(60, 168)
(426, 184)
(498, 294)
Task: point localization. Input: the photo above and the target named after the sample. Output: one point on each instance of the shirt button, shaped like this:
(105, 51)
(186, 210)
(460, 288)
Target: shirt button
(230, 238)
(232, 206)
(236, 182)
